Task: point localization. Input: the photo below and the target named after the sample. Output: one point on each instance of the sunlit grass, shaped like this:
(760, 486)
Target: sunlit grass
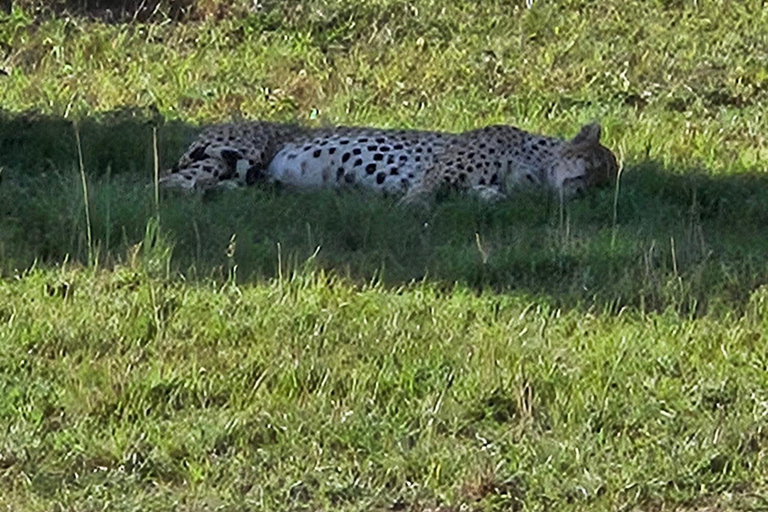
(272, 350)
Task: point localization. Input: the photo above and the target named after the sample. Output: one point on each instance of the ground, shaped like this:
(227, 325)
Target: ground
(331, 352)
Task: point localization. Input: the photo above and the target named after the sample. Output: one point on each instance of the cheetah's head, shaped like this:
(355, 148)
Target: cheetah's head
(583, 163)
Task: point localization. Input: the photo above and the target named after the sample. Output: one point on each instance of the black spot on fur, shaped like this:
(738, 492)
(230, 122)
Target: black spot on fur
(393, 171)
(349, 177)
(384, 148)
(380, 178)
(331, 151)
(323, 142)
(471, 155)
(491, 151)
(381, 140)
(357, 151)
(199, 153)
(339, 173)
(462, 177)
(345, 157)
(372, 148)
(494, 179)
(481, 182)
(343, 141)
(307, 148)
(470, 168)
(370, 168)
(398, 147)
(378, 157)
(530, 178)
(419, 149)
(418, 159)
(317, 153)
(358, 162)
(390, 159)
(231, 157)
(363, 140)
(403, 158)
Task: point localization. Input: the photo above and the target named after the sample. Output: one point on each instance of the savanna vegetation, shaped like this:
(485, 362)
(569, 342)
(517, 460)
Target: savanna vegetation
(278, 351)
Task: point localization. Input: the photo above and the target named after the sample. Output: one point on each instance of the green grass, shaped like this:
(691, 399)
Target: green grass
(273, 350)
(309, 393)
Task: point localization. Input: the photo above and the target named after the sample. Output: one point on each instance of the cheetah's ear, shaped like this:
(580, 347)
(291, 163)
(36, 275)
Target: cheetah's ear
(589, 134)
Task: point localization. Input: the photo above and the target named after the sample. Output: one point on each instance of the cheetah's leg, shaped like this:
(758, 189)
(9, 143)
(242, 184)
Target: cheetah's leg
(221, 167)
(197, 175)
(418, 196)
(421, 196)
(230, 159)
(487, 194)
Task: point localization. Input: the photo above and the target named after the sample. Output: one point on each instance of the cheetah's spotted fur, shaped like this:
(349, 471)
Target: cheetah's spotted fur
(488, 161)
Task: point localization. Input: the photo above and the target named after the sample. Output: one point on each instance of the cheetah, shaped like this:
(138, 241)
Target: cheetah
(489, 162)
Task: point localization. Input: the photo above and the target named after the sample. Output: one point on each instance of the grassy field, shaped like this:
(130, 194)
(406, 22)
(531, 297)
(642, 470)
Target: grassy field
(264, 350)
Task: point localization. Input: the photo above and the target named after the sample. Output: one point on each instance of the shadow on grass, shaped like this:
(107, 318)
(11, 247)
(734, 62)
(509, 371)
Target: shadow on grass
(119, 140)
(678, 238)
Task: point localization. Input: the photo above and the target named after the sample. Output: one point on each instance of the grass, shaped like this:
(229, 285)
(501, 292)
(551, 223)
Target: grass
(269, 350)
(308, 393)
